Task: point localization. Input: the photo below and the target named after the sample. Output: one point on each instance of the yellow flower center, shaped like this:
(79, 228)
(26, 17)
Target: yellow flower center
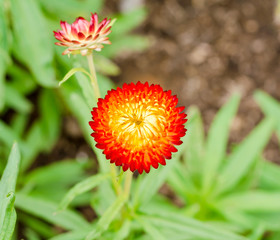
(138, 124)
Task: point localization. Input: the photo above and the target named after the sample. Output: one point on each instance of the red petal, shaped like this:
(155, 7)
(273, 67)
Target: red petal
(81, 36)
(89, 38)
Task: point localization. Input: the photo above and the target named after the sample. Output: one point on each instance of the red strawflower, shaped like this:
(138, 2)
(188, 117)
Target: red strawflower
(83, 36)
(138, 126)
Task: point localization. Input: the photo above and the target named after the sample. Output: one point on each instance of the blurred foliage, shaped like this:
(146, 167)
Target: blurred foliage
(222, 196)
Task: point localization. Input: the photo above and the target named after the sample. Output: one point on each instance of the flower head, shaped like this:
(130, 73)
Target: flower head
(138, 125)
(83, 36)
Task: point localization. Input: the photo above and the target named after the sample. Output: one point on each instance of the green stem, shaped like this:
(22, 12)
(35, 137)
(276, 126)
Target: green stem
(127, 183)
(93, 78)
(126, 211)
(116, 183)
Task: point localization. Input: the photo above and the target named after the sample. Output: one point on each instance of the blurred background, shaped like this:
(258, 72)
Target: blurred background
(203, 50)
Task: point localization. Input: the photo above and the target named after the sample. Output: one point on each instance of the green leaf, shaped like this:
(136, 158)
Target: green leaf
(74, 235)
(46, 210)
(217, 142)
(72, 72)
(34, 143)
(124, 231)
(72, 9)
(87, 89)
(254, 201)
(82, 112)
(154, 180)
(31, 235)
(106, 219)
(45, 230)
(195, 149)
(269, 176)
(274, 236)
(149, 228)
(21, 80)
(3, 52)
(8, 183)
(270, 220)
(7, 136)
(33, 41)
(16, 101)
(6, 232)
(63, 172)
(258, 232)
(238, 218)
(242, 159)
(82, 187)
(181, 182)
(50, 118)
(270, 107)
(128, 21)
(189, 227)
(19, 123)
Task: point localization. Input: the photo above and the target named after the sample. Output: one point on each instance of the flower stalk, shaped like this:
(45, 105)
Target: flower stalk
(127, 183)
(116, 184)
(93, 78)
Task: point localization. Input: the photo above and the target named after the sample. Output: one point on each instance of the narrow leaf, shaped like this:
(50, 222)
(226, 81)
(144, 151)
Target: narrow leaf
(217, 142)
(72, 9)
(87, 89)
(46, 210)
(50, 118)
(72, 72)
(195, 149)
(269, 176)
(6, 232)
(258, 232)
(17, 101)
(254, 201)
(190, 227)
(270, 107)
(74, 235)
(106, 219)
(33, 44)
(128, 21)
(8, 182)
(82, 187)
(21, 80)
(67, 172)
(42, 228)
(124, 231)
(3, 52)
(153, 231)
(243, 158)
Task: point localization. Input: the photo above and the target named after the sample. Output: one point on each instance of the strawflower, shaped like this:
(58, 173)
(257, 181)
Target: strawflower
(82, 36)
(138, 126)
